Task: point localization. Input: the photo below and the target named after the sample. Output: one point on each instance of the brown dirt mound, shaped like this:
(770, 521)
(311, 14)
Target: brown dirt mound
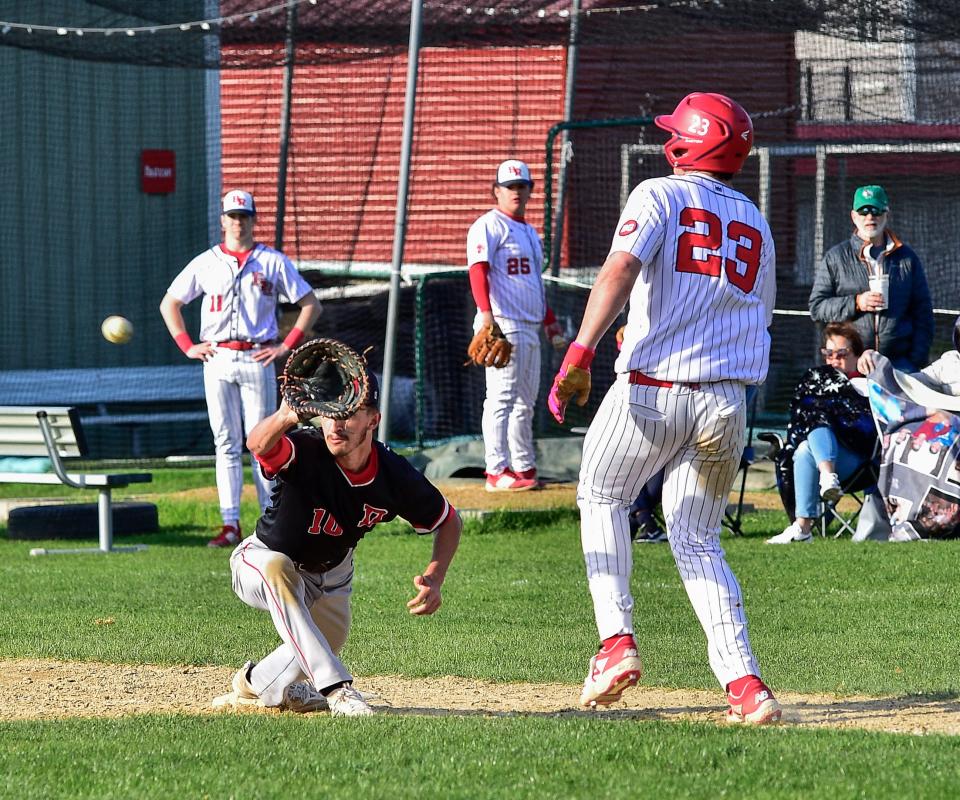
(35, 689)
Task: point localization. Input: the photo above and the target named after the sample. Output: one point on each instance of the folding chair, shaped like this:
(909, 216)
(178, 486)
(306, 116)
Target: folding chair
(855, 486)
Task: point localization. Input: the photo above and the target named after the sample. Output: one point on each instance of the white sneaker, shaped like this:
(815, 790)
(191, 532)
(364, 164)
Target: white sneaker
(298, 697)
(830, 490)
(303, 698)
(793, 533)
(242, 693)
(348, 702)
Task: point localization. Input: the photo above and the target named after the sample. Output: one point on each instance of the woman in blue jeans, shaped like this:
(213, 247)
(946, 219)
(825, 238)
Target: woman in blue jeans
(831, 432)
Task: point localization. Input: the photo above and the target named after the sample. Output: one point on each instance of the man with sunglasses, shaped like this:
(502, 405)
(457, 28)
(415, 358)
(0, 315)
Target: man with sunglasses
(898, 321)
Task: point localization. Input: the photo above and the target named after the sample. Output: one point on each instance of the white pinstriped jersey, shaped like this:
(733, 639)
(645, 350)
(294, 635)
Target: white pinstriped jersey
(701, 306)
(513, 250)
(239, 305)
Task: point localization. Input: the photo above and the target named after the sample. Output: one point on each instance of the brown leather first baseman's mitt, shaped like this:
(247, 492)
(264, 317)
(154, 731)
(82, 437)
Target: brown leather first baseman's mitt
(325, 378)
(489, 348)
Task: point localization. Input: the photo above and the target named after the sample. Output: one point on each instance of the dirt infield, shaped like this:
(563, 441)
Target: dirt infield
(37, 690)
(469, 495)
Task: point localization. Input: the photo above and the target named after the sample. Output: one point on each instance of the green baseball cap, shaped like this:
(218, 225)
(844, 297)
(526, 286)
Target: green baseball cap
(870, 196)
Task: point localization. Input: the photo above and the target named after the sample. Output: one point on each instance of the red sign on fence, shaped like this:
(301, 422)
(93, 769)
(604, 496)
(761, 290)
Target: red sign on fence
(158, 171)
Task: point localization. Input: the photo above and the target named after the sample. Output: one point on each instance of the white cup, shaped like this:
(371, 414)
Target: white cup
(881, 284)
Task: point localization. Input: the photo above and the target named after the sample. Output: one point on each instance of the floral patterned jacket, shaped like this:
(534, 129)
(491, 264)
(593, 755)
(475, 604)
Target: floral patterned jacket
(826, 398)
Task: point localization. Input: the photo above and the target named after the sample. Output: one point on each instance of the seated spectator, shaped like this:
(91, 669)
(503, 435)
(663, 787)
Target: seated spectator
(830, 435)
(644, 527)
(943, 375)
(918, 416)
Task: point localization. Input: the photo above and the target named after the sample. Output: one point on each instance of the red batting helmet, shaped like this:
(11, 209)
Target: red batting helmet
(710, 132)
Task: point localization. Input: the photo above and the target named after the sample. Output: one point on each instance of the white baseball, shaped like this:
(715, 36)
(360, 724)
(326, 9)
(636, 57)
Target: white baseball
(117, 329)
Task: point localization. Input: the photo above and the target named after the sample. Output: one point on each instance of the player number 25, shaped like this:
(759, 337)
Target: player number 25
(518, 266)
(748, 241)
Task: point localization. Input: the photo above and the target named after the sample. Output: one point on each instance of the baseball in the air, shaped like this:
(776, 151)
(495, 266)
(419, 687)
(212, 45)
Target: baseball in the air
(117, 329)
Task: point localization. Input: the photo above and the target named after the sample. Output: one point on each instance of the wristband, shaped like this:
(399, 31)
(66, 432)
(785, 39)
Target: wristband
(578, 356)
(293, 338)
(184, 342)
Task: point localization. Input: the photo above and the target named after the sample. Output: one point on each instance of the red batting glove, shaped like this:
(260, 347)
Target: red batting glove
(573, 380)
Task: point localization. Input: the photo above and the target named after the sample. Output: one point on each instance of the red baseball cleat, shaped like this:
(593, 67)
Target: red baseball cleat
(528, 475)
(507, 481)
(755, 705)
(612, 670)
(229, 536)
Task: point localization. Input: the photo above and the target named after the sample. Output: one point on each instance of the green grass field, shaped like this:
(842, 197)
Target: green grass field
(870, 619)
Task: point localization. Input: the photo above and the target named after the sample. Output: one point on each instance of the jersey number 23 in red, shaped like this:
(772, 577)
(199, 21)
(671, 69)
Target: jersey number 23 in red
(747, 251)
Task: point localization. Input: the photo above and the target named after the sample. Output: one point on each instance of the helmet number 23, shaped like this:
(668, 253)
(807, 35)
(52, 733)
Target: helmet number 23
(698, 126)
(742, 271)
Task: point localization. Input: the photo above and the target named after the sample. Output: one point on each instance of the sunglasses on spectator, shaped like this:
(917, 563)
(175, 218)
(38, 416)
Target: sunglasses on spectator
(877, 212)
(843, 352)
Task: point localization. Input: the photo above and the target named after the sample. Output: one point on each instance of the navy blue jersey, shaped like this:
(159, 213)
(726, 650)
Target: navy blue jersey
(319, 511)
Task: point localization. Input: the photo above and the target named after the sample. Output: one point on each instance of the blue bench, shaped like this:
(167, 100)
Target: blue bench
(127, 397)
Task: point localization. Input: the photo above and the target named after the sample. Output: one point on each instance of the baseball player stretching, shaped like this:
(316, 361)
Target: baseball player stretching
(696, 260)
(333, 486)
(506, 258)
(241, 283)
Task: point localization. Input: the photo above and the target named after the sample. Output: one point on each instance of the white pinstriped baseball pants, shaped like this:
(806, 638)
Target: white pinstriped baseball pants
(697, 437)
(507, 421)
(240, 392)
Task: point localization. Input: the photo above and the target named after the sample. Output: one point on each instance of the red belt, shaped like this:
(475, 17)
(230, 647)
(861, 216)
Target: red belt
(238, 345)
(639, 379)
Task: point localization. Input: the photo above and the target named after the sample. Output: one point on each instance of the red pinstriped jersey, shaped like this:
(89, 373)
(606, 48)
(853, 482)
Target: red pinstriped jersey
(702, 304)
(513, 250)
(319, 511)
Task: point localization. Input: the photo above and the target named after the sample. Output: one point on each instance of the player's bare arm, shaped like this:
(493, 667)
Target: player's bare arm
(270, 430)
(608, 296)
(173, 318)
(309, 311)
(445, 544)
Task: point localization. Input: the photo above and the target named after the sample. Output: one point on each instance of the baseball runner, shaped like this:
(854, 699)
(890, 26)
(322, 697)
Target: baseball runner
(506, 258)
(696, 260)
(333, 486)
(241, 283)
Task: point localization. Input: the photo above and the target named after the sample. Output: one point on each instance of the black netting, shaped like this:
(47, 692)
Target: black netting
(92, 86)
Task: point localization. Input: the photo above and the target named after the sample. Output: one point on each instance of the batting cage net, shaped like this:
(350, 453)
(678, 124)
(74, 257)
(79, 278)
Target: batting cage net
(127, 120)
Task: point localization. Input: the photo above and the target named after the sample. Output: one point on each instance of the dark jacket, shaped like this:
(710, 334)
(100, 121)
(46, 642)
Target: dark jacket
(824, 398)
(905, 327)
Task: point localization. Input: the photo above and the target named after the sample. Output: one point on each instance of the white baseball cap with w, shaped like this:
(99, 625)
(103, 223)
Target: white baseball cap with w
(237, 200)
(513, 171)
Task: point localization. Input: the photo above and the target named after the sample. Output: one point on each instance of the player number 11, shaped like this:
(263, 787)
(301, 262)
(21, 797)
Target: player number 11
(748, 241)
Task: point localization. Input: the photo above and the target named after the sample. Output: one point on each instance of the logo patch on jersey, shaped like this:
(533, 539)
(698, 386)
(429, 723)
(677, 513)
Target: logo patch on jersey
(371, 516)
(628, 227)
(263, 284)
(323, 522)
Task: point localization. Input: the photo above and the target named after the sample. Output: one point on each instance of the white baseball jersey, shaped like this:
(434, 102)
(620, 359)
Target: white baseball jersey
(699, 312)
(700, 309)
(513, 250)
(239, 304)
